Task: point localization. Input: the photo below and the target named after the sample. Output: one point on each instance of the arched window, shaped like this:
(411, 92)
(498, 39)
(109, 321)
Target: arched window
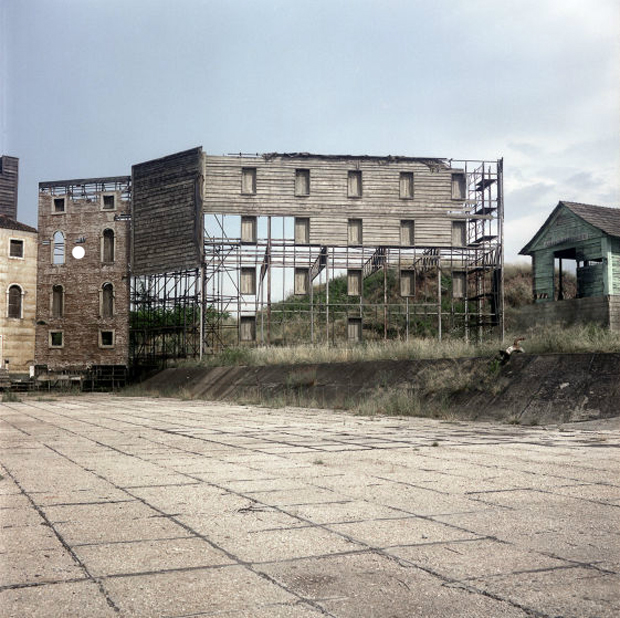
(107, 300)
(58, 256)
(58, 301)
(108, 246)
(15, 302)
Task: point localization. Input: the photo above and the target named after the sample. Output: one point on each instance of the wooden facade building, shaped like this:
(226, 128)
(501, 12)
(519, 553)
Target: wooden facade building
(291, 223)
(588, 238)
(209, 251)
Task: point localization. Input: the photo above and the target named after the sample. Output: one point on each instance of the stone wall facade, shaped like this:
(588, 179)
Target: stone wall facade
(83, 300)
(18, 285)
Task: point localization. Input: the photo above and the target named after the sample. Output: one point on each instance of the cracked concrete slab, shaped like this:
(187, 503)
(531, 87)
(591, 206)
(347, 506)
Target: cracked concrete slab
(113, 506)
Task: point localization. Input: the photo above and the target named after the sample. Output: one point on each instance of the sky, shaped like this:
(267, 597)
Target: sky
(90, 87)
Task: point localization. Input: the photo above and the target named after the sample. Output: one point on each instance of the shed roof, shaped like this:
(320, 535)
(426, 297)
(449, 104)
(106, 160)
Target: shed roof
(8, 223)
(603, 218)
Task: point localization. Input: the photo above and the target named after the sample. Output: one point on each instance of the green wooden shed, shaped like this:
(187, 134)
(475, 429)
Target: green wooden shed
(586, 240)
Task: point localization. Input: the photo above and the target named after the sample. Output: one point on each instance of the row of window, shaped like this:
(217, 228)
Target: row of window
(15, 302)
(354, 184)
(354, 282)
(107, 248)
(355, 231)
(106, 301)
(247, 328)
(106, 202)
(105, 339)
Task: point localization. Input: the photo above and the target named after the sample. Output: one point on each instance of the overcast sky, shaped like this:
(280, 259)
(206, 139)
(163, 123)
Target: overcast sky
(89, 87)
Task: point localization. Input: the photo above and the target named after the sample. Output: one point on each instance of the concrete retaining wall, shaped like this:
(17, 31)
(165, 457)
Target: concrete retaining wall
(530, 389)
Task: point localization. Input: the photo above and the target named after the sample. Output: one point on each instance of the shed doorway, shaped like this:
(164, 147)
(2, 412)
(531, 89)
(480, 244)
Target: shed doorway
(565, 268)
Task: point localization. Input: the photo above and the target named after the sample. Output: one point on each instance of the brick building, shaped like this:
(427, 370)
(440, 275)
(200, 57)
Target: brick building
(83, 304)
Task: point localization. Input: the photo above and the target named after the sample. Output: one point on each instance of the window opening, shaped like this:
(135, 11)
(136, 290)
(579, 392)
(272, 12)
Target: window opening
(355, 183)
(59, 204)
(247, 328)
(106, 338)
(56, 339)
(301, 281)
(107, 300)
(407, 283)
(15, 302)
(354, 231)
(16, 248)
(354, 282)
(458, 186)
(458, 284)
(108, 245)
(58, 301)
(302, 230)
(109, 202)
(248, 280)
(248, 229)
(407, 233)
(406, 185)
(354, 329)
(59, 248)
(459, 234)
(302, 183)
(248, 180)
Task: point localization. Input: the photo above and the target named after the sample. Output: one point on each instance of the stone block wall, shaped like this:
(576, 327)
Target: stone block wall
(75, 332)
(17, 333)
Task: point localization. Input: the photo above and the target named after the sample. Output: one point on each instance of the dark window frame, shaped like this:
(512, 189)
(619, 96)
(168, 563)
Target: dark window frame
(15, 304)
(16, 242)
(51, 338)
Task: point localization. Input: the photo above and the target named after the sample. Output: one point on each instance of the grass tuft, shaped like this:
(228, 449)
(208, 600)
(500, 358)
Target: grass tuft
(10, 397)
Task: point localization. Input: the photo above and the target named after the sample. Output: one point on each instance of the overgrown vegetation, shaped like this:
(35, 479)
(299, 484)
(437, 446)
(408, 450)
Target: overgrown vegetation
(10, 397)
(437, 388)
(547, 340)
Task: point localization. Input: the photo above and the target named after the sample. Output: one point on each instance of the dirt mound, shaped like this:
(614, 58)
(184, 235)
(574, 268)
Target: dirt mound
(529, 389)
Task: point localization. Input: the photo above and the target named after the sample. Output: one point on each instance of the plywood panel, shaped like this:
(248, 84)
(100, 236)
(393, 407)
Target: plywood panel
(166, 213)
(329, 187)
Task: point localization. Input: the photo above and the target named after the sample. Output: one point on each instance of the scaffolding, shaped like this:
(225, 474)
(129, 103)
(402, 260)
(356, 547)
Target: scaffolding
(273, 289)
(267, 285)
(164, 317)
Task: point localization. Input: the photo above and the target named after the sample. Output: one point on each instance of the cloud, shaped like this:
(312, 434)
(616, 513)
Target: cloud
(519, 232)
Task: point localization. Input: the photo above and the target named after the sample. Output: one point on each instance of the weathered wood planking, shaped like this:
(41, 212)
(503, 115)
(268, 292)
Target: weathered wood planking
(166, 213)
(328, 206)
(9, 178)
(577, 232)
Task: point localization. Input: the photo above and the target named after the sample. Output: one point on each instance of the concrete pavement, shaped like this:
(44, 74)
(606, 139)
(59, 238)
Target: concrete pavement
(113, 506)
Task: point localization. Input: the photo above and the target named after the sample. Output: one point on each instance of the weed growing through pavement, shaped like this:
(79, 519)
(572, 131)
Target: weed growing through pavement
(10, 397)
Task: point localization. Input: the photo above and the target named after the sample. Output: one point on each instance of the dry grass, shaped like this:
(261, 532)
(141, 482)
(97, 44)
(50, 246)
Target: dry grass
(548, 340)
